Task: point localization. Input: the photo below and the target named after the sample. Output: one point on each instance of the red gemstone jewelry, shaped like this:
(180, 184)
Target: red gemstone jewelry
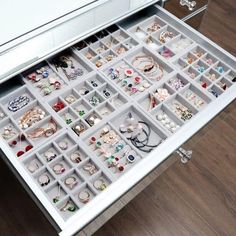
(28, 147)
(129, 72)
(20, 153)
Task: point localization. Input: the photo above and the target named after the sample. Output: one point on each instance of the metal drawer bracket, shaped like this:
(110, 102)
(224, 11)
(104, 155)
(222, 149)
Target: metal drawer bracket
(185, 155)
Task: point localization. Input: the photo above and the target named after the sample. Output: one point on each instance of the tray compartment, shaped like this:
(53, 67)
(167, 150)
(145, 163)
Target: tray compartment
(155, 73)
(178, 104)
(121, 122)
(24, 92)
(56, 193)
(43, 80)
(69, 185)
(69, 66)
(33, 164)
(107, 151)
(166, 118)
(194, 96)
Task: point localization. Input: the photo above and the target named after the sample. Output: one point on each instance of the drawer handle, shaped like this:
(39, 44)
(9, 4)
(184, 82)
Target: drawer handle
(190, 4)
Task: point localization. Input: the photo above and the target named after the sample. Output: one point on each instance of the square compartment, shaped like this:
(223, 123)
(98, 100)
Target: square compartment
(70, 96)
(20, 92)
(151, 25)
(130, 43)
(168, 30)
(94, 99)
(31, 115)
(212, 75)
(112, 28)
(179, 43)
(88, 168)
(83, 88)
(110, 41)
(47, 124)
(79, 127)
(209, 59)
(180, 63)
(57, 104)
(194, 96)
(198, 52)
(95, 81)
(200, 66)
(221, 68)
(65, 142)
(68, 116)
(67, 208)
(215, 91)
(224, 83)
(55, 193)
(80, 45)
(179, 101)
(138, 32)
(99, 47)
(191, 72)
(120, 49)
(152, 43)
(177, 82)
(91, 39)
(107, 91)
(20, 145)
(8, 130)
(100, 181)
(69, 185)
(105, 109)
(81, 107)
(166, 52)
(109, 55)
(32, 164)
(84, 190)
(44, 178)
(93, 118)
(231, 76)
(76, 155)
(118, 101)
(166, 118)
(189, 58)
(89, 53)
(120, 35)
(60, 166)
(204, 82)
(99, 61)
(49, 152)
(101, 34)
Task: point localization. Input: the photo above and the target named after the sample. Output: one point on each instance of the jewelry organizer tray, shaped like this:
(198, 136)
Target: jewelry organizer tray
(104, 105)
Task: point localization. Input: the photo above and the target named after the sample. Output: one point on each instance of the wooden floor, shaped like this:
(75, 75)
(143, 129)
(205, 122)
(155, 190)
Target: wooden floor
(197, 199)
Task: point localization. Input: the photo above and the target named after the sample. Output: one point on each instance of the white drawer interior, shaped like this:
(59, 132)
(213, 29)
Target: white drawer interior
(109, 76)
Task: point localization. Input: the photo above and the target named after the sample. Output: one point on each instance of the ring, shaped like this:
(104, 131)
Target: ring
(33, 166)
(84, 196)
(71, 182)
(99, 184)
(44, 180)
(89, 167)
(75, 157)
(63, 145)
(59, 168)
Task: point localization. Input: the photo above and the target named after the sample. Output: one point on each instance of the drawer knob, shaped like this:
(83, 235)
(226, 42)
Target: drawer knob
(190, 4)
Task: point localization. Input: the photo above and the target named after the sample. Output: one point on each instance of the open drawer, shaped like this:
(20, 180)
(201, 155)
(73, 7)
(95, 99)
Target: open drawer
(70, 128)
